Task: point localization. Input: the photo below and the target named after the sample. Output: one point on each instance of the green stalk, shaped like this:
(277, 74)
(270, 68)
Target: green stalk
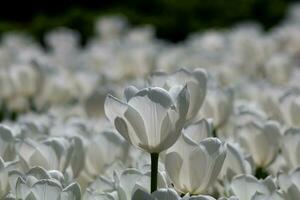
(154, 171)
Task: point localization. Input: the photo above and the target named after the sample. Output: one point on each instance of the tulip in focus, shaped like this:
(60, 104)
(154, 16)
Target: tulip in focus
(150, 119)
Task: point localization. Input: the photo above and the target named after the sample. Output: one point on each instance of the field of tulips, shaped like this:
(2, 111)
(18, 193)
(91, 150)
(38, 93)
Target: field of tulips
(132, 117)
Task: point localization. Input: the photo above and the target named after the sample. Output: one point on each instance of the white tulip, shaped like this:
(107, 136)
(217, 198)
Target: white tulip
(290, 145)
(38, 184)
(235, 163)
(294, 111)
(196, 82)
(261, 141)
(25, 80)
(6, 85)
(101, 185)
(141, 35)
(218, 106)
(277, 165)
(7, 141)
(110, 28)
(98, 147)
(123, 186)
(89, 195)
(247, 112)
(53, 154)
(247, 187)
(199, 130)
(287, 107)
(278, 69)
(284, 107)
(194, 166)
(62, 42)
(151, 120)
(130, 180)
(59, 89)
(274, 196)
(32, 154)
(69, 152)
(4, 183)
(290, 184)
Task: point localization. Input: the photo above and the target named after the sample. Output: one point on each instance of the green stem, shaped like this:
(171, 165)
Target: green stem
(154, 171)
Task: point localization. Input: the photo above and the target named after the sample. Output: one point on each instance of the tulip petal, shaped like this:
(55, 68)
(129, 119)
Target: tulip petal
(152, 114)
(137, 123)
(123, 128)
(245, 186)
(198, 131)
(47, 190)
(173, 164)
(114, 108)
(218, 163)
(142, 195)
(165, 194)
(168, 134)
(197, 170)
(71, 192)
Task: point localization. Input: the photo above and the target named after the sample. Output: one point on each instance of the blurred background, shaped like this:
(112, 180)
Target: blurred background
(173, 19)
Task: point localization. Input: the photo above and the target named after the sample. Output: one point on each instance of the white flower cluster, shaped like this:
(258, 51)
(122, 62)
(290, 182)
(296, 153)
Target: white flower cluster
(229, 129)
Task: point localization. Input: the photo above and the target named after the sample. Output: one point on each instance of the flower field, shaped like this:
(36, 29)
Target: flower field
(129, 116)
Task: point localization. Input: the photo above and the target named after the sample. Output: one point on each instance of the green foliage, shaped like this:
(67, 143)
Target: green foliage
(173, 19)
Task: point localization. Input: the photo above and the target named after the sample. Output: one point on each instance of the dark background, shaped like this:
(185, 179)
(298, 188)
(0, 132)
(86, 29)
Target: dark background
(173, 19)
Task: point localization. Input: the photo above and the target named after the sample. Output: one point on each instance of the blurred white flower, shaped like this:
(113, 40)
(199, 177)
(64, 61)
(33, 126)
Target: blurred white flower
(290, 145)
(4, 182)
(123, 186)
(187, 155)
(7, 143)
(130, 180)
(247, 187)
(195, 81)
(199, 130)
(25, 80)
(278, 69)
(111, 27)
(58, 90)
(63, 44)
(261, 141)
(290, 184)
(38, 184)
(218, 106)
(6, 85)
(97, 149)
(235, 164)
(141, 35)
(53, 100)
(53, 154)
